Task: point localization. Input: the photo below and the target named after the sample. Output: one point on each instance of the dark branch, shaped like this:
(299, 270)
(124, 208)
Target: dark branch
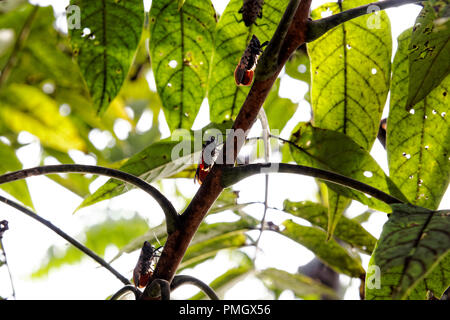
(183, 279)
(123, 290)
(382, 133)
(317, 28)
(64, 235)
(231, 176)
(171, 214)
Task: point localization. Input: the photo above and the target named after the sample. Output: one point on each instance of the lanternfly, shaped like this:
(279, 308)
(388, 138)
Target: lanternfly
(206, 160)
(145, 264)
(243, 75)
(251, 9)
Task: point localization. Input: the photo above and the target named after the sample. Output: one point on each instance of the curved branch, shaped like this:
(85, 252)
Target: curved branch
(184, 279)
(232, 175)
(171, 214)
(123, 290)
(317, 28)
(68, 238)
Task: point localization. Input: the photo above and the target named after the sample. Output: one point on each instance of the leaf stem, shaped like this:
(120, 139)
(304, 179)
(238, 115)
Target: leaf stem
(171, 214)
(64, 235)
(317, 28)
(232, 175)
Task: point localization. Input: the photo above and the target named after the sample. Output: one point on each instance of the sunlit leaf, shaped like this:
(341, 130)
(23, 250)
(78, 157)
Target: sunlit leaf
(302, 286)
(9, 162)
(335, 151)
(25, 108)
(429, 51)
(350, 68)
(418, 142)
(181, 49)
(412, 245)
(161, 159)
(347, 229)
(105, 45)
(298, 66)
(231, 39)
(330, 252)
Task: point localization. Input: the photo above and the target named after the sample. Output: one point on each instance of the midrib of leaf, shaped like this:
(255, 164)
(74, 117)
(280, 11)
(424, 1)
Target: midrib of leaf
(182, 68)
(344, 43)
(105, 56)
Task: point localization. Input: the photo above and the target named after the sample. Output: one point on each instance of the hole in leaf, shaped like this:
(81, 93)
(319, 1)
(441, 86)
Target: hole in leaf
(374, 71)
(173, 64)
(86, 32)
(434, 111)
(443, 114)
(64, 110)
(368, 174)
(412, 111)
(406, 155)
(301, 68)
(349, 46)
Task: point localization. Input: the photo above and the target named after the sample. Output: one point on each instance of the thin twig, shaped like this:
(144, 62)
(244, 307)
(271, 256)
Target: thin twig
(169, 211)
(319, 27)
(3, 228)
(185, 279)
(127, 288)
(18, 45)
(232, 175)
(64, 235)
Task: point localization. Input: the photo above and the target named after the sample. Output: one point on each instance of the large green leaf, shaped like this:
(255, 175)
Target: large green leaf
(429, 50)
(335, 151)
(9, 162)
(418, 142)
(25, 108)
(98, 237)
(347, 229)
(181, 49)
(157, 161)
(350, 68)
(231, 39)
(105, 44)
(411, 247)
(302, 286)
(330, 252)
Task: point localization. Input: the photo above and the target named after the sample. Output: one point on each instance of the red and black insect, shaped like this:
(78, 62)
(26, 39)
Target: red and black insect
(206, 160)
(251, 10)
(243, 74)
(144, 267)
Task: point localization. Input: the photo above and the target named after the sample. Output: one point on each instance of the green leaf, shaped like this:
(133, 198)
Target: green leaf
(156, 162)
(350, 68)
(330, 252)
(9, 162)
(181, 49)
(231, 39)
(335, 151)
(429, 50)
(412, 245)
(278, 110)
(347, 229)
(105, 52)
(298, 66)
(229, 278)
(302, 286)
(25, 108)
(199, 252)
(418, 142)
(98, 237)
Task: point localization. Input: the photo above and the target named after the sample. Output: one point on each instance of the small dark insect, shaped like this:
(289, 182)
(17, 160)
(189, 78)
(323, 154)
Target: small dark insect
(206, 160)
(243, 74)
(144, 266)
(251, 9)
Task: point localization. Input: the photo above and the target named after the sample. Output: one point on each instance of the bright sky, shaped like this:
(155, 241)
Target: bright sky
(27, 241)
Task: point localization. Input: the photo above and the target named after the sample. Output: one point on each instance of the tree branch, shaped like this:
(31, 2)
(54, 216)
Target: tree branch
(184, 279)
(177, 242)
(172, 218)
(317, 28)
(231, 176)
(64, 235)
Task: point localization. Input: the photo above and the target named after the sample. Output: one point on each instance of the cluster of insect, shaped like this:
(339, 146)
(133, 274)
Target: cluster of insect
(243, 75)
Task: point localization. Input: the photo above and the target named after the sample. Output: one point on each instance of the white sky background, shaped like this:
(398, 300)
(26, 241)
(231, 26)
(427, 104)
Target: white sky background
(27, 241)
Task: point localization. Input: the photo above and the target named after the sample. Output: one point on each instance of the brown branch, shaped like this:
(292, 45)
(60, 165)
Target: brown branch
(177, 242)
